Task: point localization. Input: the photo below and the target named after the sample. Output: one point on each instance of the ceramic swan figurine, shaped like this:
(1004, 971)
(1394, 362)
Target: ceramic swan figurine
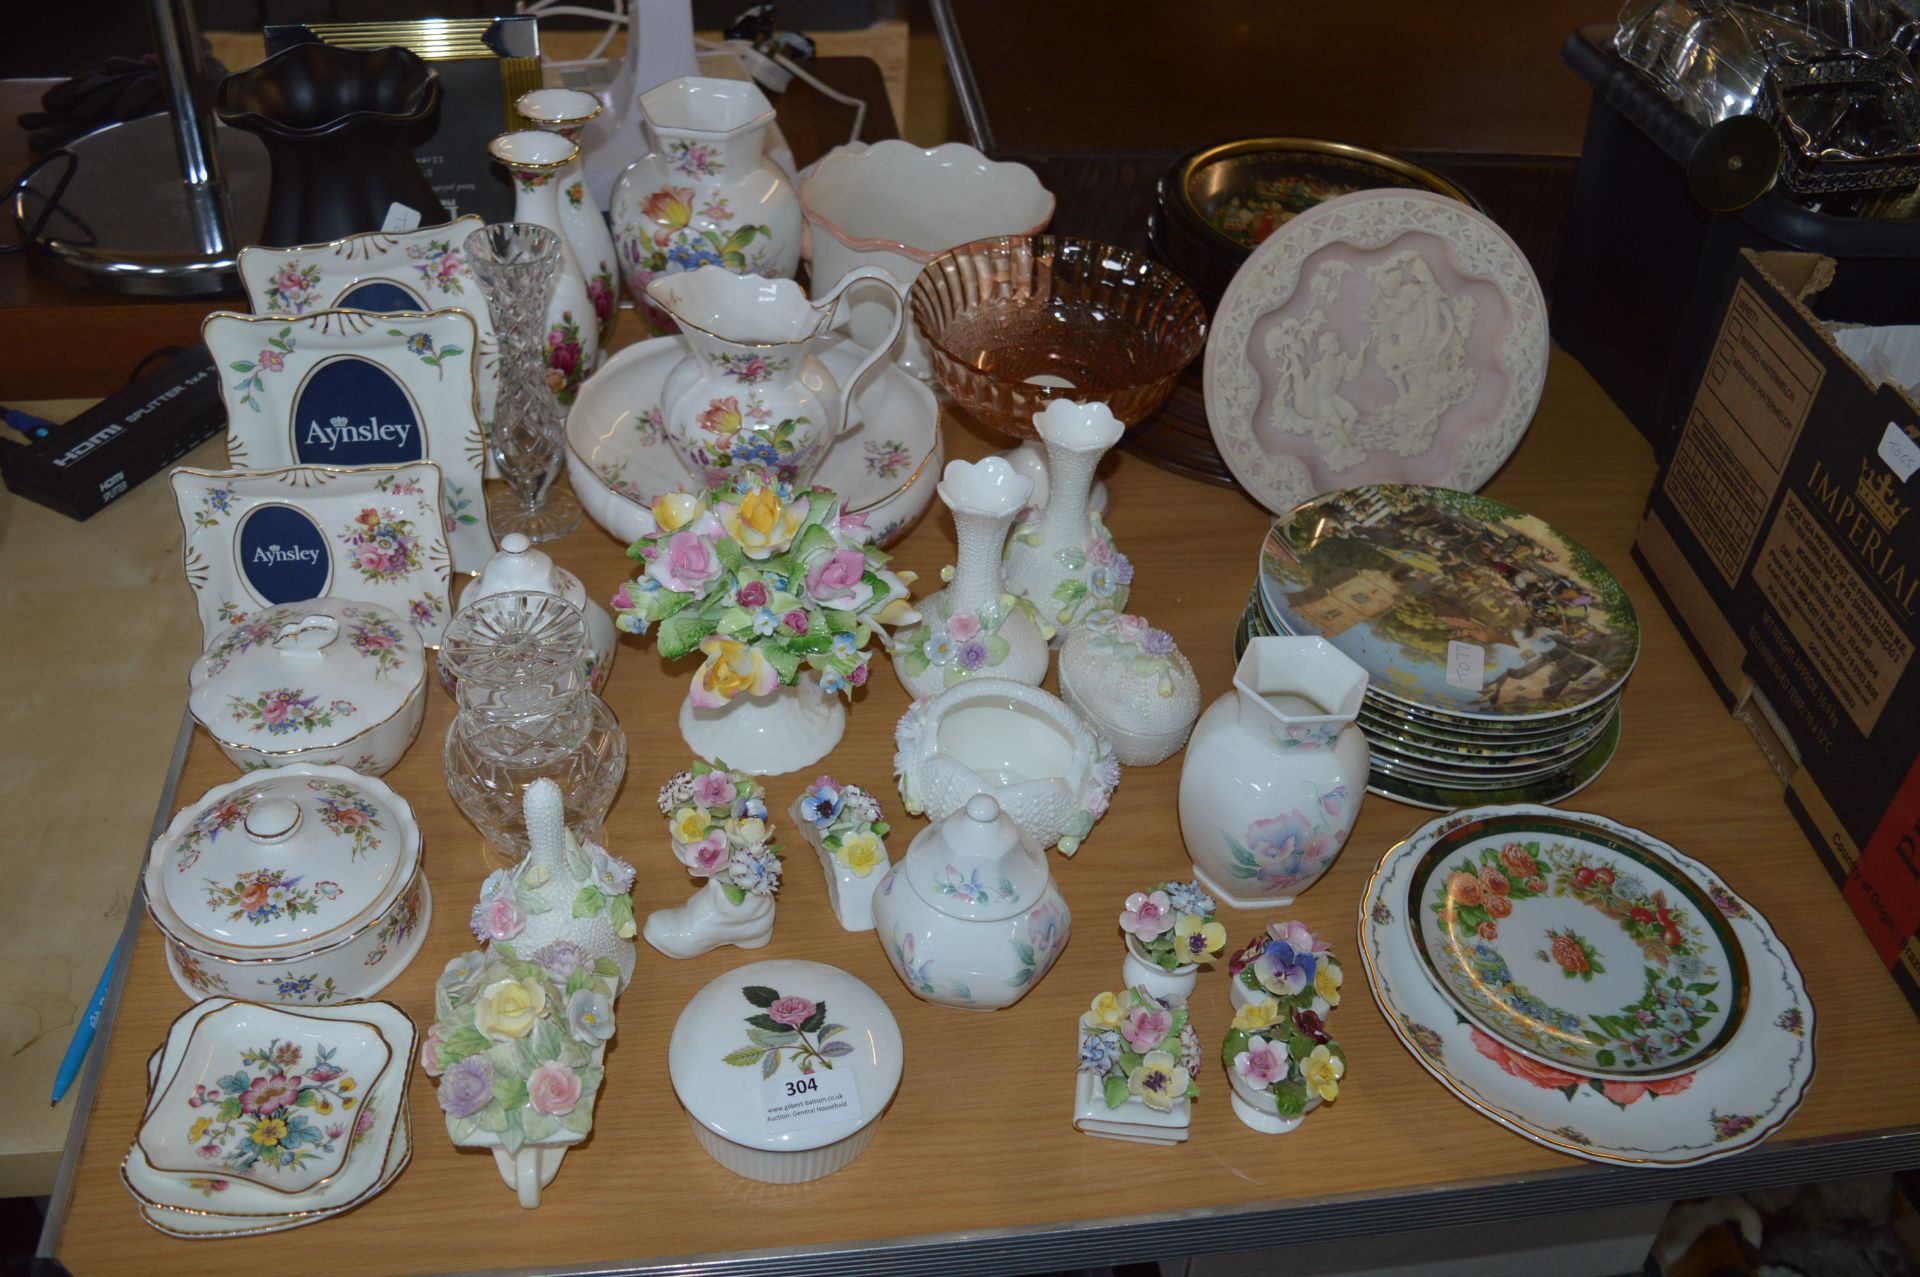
(1063, 560)
(974, 627)
(1041, 762)
(521, 1027)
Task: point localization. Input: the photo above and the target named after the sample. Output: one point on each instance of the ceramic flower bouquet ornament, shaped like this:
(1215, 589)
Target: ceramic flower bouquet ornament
(779, 592)
(1171, 931)
(844, 826)
(1139, 1068)
(718, 827)
(1279, 1058)
(521, 1027)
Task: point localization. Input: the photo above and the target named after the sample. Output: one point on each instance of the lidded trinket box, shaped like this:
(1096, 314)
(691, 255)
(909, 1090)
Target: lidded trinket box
(299, 885)
(785, 1069)
(971, 917)
(327, 681)
(1130, 681)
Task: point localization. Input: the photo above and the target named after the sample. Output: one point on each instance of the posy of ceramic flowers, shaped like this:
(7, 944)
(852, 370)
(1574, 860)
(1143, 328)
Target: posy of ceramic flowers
(717, 822)
(763, 582)
(1140, 1046)
(1279, 1042)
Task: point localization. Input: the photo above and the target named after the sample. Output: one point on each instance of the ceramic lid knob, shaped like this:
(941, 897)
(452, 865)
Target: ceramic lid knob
(273, 820)
(983, 808)
(518, 568)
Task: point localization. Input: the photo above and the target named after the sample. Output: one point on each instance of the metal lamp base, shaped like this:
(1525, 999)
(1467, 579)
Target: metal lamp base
(125, 224)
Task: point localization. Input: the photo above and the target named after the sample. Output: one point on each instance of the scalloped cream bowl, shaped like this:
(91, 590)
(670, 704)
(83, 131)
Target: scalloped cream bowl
(896, 206)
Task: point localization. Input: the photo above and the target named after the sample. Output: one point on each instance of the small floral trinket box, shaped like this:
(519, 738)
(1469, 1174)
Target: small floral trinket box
(1131, 681)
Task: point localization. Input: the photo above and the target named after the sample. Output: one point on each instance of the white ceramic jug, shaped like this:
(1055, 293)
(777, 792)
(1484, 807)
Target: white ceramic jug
(1275, 772)
(750, 398)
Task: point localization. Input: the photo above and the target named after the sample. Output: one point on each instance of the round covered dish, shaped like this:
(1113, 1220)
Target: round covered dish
(1129, 680)
(324, 681)
(303, 885)
(785, 1068)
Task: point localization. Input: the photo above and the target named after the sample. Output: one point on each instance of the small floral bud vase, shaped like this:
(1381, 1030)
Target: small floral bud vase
(1171, 932)
(844, 825)
(974, 627)
(538, 162)
(970, 917)
(1280, 1061)
(1063, 562)
(1275, 772)
(718, 828)
(567, 112)
(1139, 1068)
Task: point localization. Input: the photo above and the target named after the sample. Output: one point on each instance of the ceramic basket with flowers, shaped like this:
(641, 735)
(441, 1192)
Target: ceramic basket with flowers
(1139, 1068)
(718, 828)
(780, 593)
(1279, 1058)
(844, 825)
(1171, 933)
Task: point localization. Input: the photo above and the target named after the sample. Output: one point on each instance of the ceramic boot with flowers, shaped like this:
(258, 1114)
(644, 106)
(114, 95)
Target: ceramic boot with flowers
(719, 830)
(974, 626)
(1280, 1061)
(779, 592)
(1063, 561)
(846, 828)
(521, 1027)
(1139, 1068)
(1171, 931)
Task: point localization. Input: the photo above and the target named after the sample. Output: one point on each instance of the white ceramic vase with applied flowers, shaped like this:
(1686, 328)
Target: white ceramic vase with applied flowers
(1063, 560)
(1275, 773)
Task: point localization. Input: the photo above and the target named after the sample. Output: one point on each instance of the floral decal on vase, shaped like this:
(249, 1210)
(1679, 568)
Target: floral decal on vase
(564, 371)
(1046, 926)
(292, 289)
(970, 890)
(695, 159)
(286, 710)
(265, 1116)
(384, 545)
(1288, 852)
(267, 895)
(917, 972)
(602, 292)
(782, 1025)
(675, 243)
(347, 814)
(254, 371)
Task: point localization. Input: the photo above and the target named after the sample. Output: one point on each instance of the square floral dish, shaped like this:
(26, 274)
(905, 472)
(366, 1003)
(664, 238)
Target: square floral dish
(380, 1138)
(265, 1096)
(354, 388)
(259, 538)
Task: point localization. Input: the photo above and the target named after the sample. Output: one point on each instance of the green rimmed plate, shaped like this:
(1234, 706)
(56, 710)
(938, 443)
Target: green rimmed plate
(1579, 773)
(1396, 575)
(1580, 944)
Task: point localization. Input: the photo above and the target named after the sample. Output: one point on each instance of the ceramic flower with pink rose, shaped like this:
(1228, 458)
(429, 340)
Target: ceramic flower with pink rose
(1141, 1047)
(1278, 1045)
(765, 583)
(719, 829)
(1173, 925)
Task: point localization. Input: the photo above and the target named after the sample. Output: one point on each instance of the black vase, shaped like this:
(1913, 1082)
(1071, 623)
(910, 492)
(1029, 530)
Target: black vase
(339, 126)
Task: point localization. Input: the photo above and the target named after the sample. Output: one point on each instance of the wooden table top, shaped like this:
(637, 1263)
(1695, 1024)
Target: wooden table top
(978, 1140)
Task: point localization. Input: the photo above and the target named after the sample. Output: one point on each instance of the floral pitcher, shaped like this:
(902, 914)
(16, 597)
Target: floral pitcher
(706, 194)
(750, 399)
(1275, 772)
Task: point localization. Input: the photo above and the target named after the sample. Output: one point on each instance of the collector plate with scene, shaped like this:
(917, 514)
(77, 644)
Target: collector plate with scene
(258, 538)
(1732, 1101)
(1582, 770)
(354, 388)
(1452, 603)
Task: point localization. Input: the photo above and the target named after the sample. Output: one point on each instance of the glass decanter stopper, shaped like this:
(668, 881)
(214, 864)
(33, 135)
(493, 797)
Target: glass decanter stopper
(527, 713)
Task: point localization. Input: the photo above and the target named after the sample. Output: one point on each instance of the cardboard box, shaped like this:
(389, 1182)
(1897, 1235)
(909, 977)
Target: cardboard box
(1782, 535)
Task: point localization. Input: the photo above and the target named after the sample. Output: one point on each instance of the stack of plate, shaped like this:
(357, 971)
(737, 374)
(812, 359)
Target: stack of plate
(262, 1118)
(1495, 648)
(1587, 986)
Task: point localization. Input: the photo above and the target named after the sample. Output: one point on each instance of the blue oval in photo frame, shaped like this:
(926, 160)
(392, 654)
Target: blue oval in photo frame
(353, 412)
(379, 294)
(283, 554)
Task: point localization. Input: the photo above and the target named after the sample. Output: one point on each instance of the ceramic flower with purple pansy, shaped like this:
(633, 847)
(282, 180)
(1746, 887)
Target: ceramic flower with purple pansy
(1139, 1047)
(764, 582)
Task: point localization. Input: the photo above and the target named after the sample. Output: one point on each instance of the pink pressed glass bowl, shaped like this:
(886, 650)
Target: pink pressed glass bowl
(1018, 321)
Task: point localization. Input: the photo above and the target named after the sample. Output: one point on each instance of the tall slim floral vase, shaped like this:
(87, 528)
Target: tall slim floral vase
(536, 160)
(974, 626)
(567, 112)
(1063, 561)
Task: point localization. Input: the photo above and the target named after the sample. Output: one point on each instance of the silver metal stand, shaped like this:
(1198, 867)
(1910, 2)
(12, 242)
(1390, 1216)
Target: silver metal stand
(147, 216)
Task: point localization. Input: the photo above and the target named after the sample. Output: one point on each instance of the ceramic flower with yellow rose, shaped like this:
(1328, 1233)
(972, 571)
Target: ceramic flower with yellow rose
(846, 827)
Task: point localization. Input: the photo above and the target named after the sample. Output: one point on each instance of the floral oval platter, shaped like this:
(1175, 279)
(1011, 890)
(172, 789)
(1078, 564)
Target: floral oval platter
(1733, 1100)
(1577, 946)
(1453, 604)
(1380, 336)
(618, 458)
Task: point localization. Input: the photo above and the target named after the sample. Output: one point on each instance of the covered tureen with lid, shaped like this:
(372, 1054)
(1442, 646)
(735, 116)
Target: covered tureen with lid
(299, 885)
(324, 681)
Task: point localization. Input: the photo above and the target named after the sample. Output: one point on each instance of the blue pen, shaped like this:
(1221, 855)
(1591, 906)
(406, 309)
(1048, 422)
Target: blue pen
(83, 1033)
